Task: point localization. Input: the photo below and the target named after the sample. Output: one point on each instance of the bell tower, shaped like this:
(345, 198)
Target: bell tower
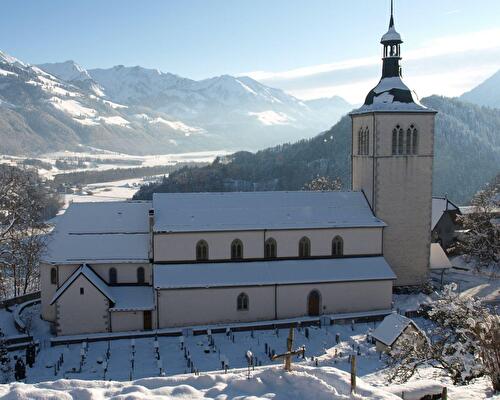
(392, 157)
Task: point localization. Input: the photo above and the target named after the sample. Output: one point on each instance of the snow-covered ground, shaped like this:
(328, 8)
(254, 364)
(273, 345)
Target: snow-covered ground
(324, 377)
(104, 160)
(264, 383)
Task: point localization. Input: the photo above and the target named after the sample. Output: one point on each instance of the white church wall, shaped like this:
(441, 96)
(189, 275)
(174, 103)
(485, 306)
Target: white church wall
(82, 313)
(185, 307)
(65, 271)
(47, 291)
(342, 297)
(182, 246)
(217, 305)
(357, 241)
(125, 272)
(122, 321)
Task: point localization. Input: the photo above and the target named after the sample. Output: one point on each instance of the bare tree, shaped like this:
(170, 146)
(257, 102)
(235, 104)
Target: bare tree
(23, 201)
(404, 359)
(465, 342)
(482, 238)
(323, 183)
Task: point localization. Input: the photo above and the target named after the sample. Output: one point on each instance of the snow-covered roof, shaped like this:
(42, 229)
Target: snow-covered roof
(64, 248)
(184, 212)
(390, 95)
(106, 217)
(100, 232)
(391, 36)
(262, 273)
(132, 298)
(93, 278)
(438, 258)
(391, 328)
(439, 206)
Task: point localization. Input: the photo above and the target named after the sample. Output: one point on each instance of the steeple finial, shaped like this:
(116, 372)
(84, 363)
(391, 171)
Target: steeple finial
(391, 22)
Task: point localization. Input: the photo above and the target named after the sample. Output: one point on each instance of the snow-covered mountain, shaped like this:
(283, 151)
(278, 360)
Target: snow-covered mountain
(137, 110)
(73, 73)
(485, 94)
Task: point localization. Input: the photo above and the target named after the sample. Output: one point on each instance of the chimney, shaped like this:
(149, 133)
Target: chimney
(151, 218)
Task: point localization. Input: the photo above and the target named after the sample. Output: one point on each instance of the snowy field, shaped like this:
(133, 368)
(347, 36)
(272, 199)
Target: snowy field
(103, 160)
(135, 369)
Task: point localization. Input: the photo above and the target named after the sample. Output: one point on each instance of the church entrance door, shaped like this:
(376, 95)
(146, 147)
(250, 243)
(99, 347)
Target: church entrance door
(313, 303)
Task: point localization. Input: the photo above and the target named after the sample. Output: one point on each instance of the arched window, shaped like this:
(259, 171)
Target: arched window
(395, 140)
(140, 275)
(408, 141)
(415, 140)
(53, 276)
(270, 248)
(337, 246)
(242, 302)
(401, 141)
(237, 249)
(360, 140)
(112, 275)
(201, 251)
(367, 142)
(363, 141)
(304, 247)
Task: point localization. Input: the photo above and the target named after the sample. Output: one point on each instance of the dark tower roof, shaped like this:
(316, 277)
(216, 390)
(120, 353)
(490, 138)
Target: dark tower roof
(391, 93)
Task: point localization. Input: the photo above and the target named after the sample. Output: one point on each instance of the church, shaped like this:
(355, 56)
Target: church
(196, 259)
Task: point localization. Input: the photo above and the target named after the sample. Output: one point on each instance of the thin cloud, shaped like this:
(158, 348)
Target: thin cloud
(451, 83)
(446, 45)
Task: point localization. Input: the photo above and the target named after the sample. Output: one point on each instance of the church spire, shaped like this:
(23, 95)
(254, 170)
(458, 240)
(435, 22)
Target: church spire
(392, 51)
(391, 22)
(391, 93)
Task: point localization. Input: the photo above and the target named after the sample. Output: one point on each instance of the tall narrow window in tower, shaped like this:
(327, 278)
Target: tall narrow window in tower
(337, 246)
(360, 141)
(415, 140)
(201, 251)
(409, 141)
(304, 247)
(236, 249)
(367, 141)
(395, 140)
(401, 141)
(270, 248)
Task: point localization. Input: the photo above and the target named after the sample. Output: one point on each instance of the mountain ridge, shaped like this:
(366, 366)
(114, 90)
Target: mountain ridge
(466, 150)
(487, 93)
(149, 111)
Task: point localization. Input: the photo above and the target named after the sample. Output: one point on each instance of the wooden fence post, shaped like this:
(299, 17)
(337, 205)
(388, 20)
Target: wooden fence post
(353, 373)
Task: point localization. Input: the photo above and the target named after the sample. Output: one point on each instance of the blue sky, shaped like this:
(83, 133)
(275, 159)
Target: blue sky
(309, 48)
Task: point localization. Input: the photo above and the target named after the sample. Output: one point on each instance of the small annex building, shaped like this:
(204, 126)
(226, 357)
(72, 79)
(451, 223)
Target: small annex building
(391, 329)
(444, 222)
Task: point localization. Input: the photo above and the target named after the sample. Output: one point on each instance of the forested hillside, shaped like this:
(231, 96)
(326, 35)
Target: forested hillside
(467, 155)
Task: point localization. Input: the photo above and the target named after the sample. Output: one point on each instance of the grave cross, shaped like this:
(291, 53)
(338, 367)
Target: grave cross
(289, 353)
